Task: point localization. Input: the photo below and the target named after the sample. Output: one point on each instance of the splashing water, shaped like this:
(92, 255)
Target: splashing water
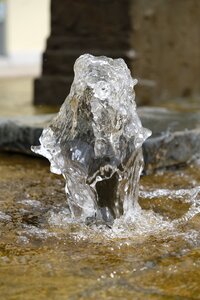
(95, 141)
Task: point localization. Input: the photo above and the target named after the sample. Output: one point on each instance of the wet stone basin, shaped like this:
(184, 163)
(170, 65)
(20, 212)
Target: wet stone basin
(44, 255)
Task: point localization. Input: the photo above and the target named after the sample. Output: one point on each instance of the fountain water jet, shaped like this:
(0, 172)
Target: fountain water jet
(96, 140)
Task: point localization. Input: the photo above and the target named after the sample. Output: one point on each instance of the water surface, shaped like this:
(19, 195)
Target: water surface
(45, 255)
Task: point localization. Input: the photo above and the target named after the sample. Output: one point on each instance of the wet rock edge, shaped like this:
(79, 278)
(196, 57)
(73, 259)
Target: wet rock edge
(165, 148)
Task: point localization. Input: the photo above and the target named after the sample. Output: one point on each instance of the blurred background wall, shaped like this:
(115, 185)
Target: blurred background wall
(24, 27)
(98, 27)
(166, 40)
(159, 39)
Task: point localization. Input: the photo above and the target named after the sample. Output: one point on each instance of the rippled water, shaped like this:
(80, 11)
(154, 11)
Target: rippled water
(45, 255)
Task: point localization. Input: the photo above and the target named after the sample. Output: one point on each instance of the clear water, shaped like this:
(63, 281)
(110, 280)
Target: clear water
(95, 141)
(43, 255)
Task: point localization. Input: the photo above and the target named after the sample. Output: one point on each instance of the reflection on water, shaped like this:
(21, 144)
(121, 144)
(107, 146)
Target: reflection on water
(44, 255)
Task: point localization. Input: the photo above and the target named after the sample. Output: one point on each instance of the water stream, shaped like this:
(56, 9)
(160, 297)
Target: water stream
(96, 140)
(47, 252)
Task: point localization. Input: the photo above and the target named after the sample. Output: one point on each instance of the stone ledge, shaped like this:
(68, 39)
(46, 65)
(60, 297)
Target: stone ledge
(17, 134)
(175, 139)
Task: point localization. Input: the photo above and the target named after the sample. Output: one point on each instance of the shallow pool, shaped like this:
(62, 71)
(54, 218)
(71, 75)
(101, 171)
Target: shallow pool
(46, 255)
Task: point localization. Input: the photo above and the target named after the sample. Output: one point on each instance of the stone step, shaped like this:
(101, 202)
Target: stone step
(79, 43)
(61, 63)
(89, 17)
(51, 90)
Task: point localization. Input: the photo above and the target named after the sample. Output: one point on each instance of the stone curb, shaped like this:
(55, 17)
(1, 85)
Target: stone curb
(163, 149)
(171, 150)
(18, 134)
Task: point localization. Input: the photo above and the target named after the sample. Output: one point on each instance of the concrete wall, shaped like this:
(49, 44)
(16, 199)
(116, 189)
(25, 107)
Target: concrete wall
(27, 27)
(166, 39)
(159, 39)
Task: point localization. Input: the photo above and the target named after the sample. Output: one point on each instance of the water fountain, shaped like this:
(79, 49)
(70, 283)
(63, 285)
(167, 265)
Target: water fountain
(95, 141)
